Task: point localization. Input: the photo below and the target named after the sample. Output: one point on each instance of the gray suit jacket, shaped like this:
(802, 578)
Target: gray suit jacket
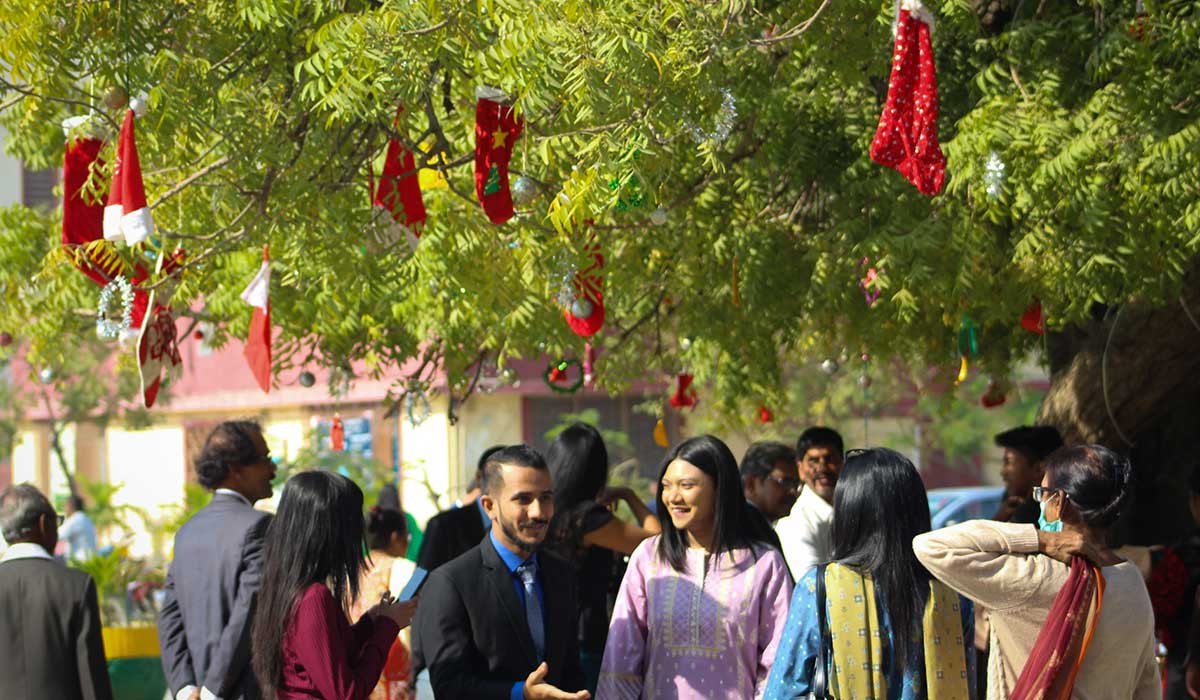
(204, 627)
(50, 645)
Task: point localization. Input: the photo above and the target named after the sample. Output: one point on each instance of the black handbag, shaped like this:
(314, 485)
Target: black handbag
(820, 682)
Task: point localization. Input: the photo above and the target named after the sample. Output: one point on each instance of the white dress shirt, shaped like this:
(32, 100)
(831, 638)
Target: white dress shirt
(25, 550)
(79, 534)
(805, 533)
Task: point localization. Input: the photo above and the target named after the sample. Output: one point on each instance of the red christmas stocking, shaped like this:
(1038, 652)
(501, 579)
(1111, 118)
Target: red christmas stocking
(496, 129)
(586, 315)
(906, 139)
(399, 194)
(83, 218)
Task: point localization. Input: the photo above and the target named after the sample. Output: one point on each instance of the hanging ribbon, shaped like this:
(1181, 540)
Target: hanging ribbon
(660, 434)
(337, 434)
(968, 346)
(685, 396)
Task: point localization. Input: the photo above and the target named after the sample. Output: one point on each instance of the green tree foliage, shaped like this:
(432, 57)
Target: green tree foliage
(748, 121)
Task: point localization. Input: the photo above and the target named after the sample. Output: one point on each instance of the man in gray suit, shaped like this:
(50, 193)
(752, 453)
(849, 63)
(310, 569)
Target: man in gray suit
(50, 645)
(204, 628)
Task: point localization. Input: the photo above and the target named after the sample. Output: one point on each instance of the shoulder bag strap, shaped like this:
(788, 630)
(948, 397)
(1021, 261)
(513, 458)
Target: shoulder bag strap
(820, 685)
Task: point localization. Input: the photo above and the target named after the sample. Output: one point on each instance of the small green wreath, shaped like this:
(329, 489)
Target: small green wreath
(557, 372)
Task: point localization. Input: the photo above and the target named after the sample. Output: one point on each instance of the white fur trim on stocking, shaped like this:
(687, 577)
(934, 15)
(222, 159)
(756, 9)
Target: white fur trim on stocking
(917, 9)
(487, 92)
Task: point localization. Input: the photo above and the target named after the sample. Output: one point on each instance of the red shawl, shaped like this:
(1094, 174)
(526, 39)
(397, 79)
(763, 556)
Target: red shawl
(1050, 671)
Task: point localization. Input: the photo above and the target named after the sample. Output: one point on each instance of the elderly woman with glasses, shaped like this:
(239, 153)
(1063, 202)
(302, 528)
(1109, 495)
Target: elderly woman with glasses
(1069, 619)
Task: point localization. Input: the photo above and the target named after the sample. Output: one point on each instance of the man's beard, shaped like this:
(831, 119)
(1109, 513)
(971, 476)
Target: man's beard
(513, 535)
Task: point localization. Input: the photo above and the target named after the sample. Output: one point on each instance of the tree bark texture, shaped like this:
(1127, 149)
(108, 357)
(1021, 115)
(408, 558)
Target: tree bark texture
(1142, 399)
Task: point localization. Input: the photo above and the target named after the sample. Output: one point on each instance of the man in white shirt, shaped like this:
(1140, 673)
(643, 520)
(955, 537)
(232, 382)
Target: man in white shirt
(204, 626)
(77, 531)
(805, 533)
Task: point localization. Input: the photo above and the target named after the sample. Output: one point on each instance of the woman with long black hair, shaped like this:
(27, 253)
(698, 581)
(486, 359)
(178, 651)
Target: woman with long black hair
(897, 634)
(303, 643)
(588, 535)
(702, 605)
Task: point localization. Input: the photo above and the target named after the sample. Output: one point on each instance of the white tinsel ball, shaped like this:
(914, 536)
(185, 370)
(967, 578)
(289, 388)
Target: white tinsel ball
(524, 189)
(582, 308)
(993, 174)
(46, 375)
(829, 366)
(658, 217)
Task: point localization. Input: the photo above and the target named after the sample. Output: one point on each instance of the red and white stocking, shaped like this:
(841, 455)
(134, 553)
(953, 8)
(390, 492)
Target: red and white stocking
(907, 137)
(586, 315)
(83, 217)
(496, 130)
(399, 195)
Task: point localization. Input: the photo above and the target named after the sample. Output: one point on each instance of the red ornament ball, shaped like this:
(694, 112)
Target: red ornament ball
(6, 339)
(198, 335)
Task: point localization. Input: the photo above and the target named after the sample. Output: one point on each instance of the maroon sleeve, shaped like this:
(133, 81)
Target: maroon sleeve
(325, 645)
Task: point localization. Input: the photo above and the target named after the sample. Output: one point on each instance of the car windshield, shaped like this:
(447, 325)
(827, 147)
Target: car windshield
(938, 502)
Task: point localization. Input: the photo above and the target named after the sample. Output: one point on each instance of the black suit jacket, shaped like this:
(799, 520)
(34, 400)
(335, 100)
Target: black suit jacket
(50, 644)
(472, 626)
(212, 586)
(449, 534)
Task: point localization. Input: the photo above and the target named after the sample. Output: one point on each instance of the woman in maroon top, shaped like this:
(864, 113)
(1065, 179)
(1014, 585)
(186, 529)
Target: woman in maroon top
(303, 643)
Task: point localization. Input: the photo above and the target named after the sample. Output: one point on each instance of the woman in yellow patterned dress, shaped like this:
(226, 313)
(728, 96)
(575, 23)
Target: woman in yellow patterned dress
(387, 572)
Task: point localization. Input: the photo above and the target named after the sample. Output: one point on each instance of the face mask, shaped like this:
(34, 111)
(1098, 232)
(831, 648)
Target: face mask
(1044, 524)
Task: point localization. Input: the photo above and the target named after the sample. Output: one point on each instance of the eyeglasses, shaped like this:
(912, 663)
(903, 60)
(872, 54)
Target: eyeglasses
(1042, 493)
(791, 485)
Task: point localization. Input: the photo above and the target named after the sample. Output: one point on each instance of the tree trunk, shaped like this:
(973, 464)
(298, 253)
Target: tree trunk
(1143, 400)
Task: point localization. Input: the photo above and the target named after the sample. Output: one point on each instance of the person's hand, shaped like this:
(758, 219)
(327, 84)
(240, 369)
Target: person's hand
(400, 613)
(536, 687)
(1008, 507)
(195, 694)
(612, 494)
(1192, 677)
(1062, 546)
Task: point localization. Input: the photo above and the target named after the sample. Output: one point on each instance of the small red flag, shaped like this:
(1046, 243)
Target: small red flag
(258, 344)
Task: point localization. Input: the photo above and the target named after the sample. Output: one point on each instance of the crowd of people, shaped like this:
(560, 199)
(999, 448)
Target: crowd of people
(805, 572)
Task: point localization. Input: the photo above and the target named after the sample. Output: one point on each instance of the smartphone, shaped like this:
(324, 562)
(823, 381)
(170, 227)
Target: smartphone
(414, 585)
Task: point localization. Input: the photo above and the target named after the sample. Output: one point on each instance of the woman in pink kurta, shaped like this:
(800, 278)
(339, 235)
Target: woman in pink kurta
(702, 606)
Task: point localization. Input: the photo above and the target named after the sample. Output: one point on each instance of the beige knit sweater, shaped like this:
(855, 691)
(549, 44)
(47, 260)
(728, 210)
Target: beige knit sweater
(997, 565)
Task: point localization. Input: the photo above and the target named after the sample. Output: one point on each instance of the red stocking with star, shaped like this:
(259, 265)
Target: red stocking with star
(496, 129)
(907, 138)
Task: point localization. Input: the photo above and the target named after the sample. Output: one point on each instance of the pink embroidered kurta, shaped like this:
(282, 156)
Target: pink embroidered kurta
(708, 634)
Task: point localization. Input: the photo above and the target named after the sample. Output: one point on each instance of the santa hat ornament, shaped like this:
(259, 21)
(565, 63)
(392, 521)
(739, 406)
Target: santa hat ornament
(496, 130)
(907, 137)
(127, 217)
(399, 206)
(585, 315)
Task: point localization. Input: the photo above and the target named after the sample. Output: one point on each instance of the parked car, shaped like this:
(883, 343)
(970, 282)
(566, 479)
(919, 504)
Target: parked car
(956, 505)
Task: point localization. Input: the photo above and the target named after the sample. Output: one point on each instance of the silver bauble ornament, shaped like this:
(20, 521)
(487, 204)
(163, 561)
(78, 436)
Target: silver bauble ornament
(509, 377)
(829, 366)
(523, 189)
(685, 344)
(658, 217)
(864, 381)
(307, 379)
(46, 375)
(582, 308)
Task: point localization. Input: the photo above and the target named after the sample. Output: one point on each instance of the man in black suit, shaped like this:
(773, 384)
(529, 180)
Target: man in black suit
(771, 483)
(50, 644)
(498, 622)
(204, 627)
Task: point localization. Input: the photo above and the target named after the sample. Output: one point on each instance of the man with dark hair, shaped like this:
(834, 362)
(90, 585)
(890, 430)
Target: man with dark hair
(447, 535)
(204, 627)
(771, 482)
(50, 644)
(1024, 450)
(483, 618)
(805, 533)
(78, 533)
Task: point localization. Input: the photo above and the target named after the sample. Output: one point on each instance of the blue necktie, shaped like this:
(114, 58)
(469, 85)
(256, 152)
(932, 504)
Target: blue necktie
(533, 607)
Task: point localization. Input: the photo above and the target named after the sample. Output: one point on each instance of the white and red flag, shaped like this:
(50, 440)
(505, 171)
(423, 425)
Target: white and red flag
(258, 344)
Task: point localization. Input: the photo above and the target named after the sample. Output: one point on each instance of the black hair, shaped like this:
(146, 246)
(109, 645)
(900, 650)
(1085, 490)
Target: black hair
(879, 506)
(579, 464)
(1194, 482)
(21, 507)
(762, 457)
(483, 460)
(315, 537)
(75, 501)
(230, 444)
(1035, 442)
(519, 455)
(819, 436)
(1096, 480)
(382, 522)
(733, 528)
